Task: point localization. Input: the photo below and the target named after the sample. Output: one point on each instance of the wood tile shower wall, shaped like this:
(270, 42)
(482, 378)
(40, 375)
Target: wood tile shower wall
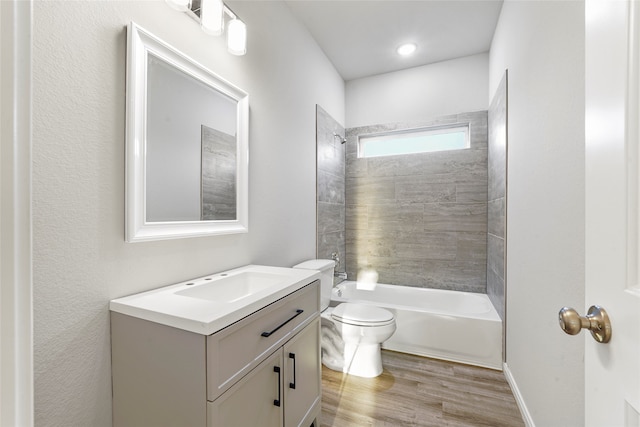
(496, 233)
(420, 220)
(330, 188)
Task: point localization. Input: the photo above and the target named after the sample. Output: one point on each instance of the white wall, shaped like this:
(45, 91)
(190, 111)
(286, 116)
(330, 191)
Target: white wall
(541, 43)
(420, 93)
(80, 258)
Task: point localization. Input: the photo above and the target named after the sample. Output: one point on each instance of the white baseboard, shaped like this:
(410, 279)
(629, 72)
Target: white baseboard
(526, 416)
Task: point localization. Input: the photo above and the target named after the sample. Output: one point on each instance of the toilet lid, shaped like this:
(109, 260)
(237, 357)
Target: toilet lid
(362, 315)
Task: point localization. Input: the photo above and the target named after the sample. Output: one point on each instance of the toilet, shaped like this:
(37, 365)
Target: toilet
(351, 333)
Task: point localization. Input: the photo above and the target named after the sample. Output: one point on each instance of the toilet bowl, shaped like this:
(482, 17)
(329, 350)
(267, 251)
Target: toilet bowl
(351, 334)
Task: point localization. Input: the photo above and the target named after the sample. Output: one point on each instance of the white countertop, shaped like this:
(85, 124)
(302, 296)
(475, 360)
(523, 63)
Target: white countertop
(210, 303)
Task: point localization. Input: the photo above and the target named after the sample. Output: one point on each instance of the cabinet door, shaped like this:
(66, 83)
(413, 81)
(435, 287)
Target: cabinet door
(255, 400)
(303, 377)
(237, 349)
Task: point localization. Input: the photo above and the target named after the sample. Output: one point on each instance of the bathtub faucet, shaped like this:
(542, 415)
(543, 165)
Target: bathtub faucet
(336, 257)
(338, 276)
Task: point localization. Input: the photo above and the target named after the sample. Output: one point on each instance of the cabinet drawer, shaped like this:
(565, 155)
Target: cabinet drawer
(252, 400)
(235, 350)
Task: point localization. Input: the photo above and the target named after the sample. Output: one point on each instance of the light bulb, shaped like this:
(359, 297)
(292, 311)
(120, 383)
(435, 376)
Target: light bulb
(212, 17)
(237, 37)
(406, 49)
(179, 5)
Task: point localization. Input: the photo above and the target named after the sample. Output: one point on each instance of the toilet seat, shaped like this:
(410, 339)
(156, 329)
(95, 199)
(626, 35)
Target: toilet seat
(362, 315)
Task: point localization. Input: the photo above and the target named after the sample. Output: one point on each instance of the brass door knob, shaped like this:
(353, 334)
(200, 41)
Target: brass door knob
(596, 320)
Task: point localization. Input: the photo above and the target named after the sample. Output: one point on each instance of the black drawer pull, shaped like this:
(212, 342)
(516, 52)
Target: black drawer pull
(276, 369)
(293, 384)
(268, 334)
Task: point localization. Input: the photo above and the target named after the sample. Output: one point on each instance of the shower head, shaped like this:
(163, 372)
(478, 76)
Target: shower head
(340, 137)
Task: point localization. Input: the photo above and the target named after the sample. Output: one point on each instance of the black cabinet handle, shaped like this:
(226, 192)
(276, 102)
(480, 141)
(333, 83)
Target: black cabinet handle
(268, 334)
(276, 369)
(293, 384)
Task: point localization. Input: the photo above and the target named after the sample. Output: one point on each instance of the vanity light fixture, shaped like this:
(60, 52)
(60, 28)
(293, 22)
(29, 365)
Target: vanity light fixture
(237, 37)
(406, 49)
(211, 15)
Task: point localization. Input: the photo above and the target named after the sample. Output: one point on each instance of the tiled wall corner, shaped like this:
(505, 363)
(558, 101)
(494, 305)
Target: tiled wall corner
(330, 191)
(497, 176)
(218, 175)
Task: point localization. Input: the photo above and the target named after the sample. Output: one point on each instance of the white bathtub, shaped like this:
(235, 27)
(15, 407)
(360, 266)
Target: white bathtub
(458, 326)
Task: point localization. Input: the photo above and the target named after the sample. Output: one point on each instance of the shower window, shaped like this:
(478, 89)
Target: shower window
(412, 141)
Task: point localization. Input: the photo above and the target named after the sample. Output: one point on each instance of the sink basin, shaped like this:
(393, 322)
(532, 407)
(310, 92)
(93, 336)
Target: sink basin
(208, 304)
(229, 289)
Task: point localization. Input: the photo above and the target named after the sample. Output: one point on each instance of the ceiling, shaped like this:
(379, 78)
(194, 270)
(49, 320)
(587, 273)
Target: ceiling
(360, 37)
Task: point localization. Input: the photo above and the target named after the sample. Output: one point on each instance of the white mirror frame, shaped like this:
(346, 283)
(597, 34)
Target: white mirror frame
(137, 229)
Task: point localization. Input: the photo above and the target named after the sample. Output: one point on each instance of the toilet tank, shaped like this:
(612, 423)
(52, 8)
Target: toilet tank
(325, 266)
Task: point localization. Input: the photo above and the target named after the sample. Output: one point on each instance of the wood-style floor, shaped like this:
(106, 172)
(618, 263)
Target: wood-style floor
(417, 391)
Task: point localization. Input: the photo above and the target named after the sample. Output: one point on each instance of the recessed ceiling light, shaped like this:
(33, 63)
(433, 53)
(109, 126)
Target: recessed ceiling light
(406, 49)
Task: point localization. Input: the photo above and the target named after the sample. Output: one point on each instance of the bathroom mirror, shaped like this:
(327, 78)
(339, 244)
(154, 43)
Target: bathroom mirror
(186, 146)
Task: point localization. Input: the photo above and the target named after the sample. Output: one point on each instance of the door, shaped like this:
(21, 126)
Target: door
(612, 370)
(16, 350)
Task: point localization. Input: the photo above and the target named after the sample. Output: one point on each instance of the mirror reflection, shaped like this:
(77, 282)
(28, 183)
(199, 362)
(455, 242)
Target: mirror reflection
(191, 148)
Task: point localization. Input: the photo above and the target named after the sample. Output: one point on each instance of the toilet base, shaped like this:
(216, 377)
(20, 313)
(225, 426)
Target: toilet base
(362, 360)
(360, 353)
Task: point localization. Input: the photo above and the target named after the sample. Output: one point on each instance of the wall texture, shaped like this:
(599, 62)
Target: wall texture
(412, 95)
(496, 203)
(420, 219)
(81, 260)
(545, 197)
(330, 188)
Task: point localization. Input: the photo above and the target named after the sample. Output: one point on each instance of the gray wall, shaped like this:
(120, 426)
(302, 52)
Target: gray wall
(420, 220)
(418, 93)
(546, 199)
(330, 188)
(80, 257)
(496, 212)
(174, 146)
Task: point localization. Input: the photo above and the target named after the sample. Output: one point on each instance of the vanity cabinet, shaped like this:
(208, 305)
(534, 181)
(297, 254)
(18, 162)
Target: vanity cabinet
(290, 381)
(263, 370)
